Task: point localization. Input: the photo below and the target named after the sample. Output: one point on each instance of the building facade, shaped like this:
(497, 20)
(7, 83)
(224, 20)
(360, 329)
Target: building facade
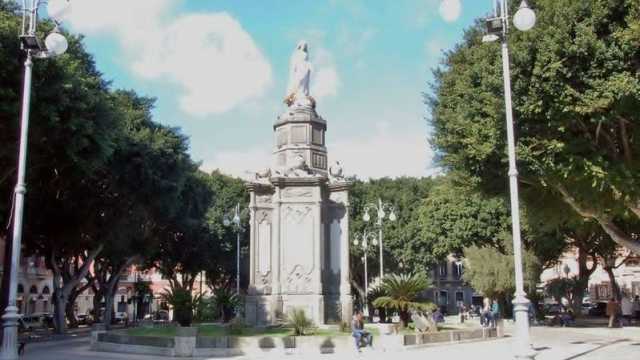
(449, 289)
(627, 275)
(35, 284)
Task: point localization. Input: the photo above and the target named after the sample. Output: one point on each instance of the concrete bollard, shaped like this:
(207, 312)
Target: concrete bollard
(500, 328)
(96, 330)
(185, 341)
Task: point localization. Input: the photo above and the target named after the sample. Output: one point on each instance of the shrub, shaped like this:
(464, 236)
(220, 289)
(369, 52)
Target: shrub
(183, 303)
(402, 295)
(299, 322)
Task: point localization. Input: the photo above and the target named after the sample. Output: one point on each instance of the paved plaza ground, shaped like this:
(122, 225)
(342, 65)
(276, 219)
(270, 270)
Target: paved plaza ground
(551, 344)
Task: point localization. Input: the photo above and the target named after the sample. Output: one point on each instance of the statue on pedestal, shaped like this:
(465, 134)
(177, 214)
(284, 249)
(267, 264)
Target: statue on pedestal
(299, 77)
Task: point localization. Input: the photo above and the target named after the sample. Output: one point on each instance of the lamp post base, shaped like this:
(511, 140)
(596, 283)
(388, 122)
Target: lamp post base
(522, 343)
(10, 335)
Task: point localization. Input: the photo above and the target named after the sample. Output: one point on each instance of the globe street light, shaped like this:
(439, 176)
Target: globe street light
(235, 222)
(364, 243)
(497, 29)
(381, 214)
(55, 44)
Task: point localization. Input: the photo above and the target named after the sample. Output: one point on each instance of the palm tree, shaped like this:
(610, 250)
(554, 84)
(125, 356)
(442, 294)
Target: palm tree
(402, 293)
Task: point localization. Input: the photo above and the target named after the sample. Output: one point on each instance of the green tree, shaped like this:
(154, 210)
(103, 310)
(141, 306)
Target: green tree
(402, 295)
(491, 272)
(576, 98)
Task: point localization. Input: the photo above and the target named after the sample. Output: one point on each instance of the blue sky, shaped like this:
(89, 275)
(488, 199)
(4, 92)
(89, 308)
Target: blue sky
(219, 68)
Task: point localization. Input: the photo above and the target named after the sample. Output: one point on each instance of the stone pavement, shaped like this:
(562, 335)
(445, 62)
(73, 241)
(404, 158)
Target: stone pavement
(551, 344)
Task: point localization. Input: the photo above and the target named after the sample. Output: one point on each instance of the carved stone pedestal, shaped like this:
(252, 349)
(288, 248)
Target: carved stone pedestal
(299, 225)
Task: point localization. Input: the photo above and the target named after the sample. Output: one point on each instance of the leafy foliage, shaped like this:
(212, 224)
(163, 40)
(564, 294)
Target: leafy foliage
(402, 293)
(576, 100)
(183, 303)
(298, 321)
(491, 272)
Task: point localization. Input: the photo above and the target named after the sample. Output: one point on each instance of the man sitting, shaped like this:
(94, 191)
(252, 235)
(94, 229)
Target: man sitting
(359, 333)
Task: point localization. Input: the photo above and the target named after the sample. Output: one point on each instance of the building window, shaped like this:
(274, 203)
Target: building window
(443, 297)
(443, 269)
(20, 289)
(459, 297)
(457, 269)
(33, 290)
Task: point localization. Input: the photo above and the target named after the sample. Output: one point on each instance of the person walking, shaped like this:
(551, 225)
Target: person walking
(626, 307)
(485, 316)
(495, 313)
(359, 333)
(613, 309)
(636, 307)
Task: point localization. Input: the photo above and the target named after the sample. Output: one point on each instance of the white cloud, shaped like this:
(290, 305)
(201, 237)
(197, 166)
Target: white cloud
(384, 153)
(240, 163)
(214, 62)
(450, 10)
(325, 80)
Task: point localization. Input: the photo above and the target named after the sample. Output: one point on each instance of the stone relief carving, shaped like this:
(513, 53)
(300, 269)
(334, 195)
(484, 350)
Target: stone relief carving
(293, 192)
(264, 247)
(298, 240)
(265, 199)
(298, 282)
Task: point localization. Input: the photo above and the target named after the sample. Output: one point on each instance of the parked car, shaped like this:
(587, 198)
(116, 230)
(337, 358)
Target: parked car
(598, 309)
(84, 319)
(585, 307)
(121, 317)
(45, 319)
(552, 309)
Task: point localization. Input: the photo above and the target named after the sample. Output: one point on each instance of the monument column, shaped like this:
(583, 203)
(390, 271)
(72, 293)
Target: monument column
(346, 301)
(253, 227)
(276, 282)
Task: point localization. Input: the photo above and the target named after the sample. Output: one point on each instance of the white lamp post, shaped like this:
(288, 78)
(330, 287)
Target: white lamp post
(235, 221)
(381, 214)
(55, 44)
(498, 28)
(364, 242)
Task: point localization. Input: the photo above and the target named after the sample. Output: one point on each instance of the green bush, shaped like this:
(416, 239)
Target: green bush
(183, 303)
(299, 322)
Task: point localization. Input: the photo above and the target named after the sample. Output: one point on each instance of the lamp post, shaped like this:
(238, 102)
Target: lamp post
(497, 29)
(364, 242)
(379, 208)
(54, 44)
(235, 222)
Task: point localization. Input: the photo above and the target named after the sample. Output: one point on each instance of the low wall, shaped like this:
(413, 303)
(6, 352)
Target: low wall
(188, 344)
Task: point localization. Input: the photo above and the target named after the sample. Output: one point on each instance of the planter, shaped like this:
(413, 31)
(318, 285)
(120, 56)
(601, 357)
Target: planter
(185, 341)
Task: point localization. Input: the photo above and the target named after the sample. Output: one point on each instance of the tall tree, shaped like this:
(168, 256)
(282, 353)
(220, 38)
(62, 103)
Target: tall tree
(576, 97)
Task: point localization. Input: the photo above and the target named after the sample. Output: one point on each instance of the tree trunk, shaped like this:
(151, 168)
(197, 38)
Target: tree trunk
(108, 309)
(582, 281)
(59, 311)
(615, 289)
(617, 234)
(97, 302)
(63, 285)
(70, 312)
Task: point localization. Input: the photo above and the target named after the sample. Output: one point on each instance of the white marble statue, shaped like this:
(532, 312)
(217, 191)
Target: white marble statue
(336, 172)
(299, 76)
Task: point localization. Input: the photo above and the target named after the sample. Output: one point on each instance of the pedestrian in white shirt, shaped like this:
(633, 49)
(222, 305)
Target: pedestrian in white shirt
(626, 307)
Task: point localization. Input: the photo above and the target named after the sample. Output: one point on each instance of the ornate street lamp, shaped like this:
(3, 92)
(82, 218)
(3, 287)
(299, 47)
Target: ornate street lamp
(497, 29)
(380, 208)
(235, 221)
(54, 44)
(364, 243)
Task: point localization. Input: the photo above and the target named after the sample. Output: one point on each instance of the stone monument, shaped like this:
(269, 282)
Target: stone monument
(299, 250)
